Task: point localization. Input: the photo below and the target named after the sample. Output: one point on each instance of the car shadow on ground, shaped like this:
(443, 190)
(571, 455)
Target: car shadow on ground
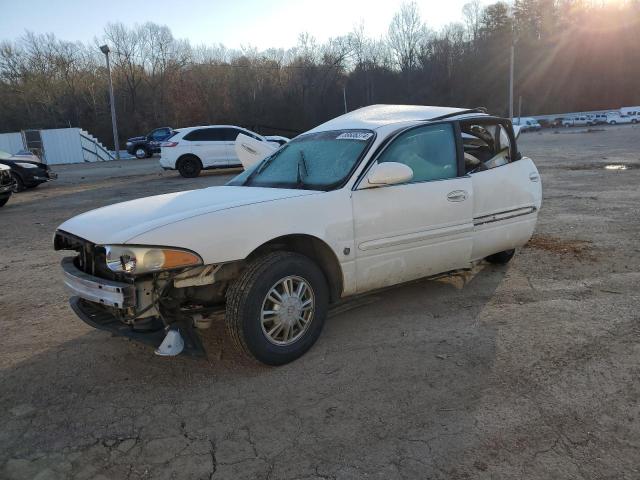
(339, 405)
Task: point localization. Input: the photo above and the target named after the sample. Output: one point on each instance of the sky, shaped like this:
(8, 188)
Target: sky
(235, 23)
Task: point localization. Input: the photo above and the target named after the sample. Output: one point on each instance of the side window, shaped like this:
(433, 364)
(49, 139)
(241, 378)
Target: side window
(205, 135)
(193, 136)
(486, 146)
(430, 151)
(230, 134)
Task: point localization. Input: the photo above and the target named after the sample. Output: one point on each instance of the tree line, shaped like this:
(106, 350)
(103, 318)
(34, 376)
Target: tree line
(570, 55)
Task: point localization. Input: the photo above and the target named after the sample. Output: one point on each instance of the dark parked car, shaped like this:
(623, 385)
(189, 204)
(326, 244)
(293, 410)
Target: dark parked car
(6, 184)
(26, 169)
(146, 146)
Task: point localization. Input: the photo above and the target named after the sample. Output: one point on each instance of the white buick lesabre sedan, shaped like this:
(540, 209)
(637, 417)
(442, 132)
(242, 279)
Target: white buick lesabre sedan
(376, 197)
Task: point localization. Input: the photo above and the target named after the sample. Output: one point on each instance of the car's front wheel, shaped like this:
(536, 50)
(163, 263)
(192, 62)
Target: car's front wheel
(501, 258)
(634, 121)
(276, 309)
(18, 184)
(189, 166)
(3, 201)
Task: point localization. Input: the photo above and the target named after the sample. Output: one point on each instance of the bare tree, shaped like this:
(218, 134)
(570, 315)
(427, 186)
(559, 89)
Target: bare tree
(127, 45)
(406, 35)
(472, 14)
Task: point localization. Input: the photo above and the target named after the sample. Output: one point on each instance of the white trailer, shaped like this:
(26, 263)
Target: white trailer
(630, 111)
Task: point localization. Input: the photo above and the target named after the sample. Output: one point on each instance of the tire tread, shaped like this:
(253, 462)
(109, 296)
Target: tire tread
(236, 298)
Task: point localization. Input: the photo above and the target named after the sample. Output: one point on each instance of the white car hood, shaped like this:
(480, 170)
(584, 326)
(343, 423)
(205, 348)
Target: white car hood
(123, 221)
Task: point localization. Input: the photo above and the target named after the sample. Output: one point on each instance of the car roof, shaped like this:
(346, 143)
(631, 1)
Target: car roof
(188, 129)
(376, 116)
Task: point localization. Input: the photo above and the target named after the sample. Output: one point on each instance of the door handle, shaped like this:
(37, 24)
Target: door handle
(457, 196)
(534, 177)
(248, 149)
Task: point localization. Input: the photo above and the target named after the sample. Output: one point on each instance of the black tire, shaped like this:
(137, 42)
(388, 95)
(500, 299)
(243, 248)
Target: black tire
(4, 200)
(634, 121)
(18, 184)
(612, 122)
(245, 298)
(189, 166)
(501, 258)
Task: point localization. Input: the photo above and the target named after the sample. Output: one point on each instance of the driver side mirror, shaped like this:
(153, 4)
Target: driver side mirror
(388, 173)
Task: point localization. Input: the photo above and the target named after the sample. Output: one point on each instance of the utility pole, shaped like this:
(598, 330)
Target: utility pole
(344, 97)
(114, 124)
(513, 48)
(519, 108)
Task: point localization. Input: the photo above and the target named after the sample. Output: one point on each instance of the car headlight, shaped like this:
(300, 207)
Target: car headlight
(26, 165)
(139, 260)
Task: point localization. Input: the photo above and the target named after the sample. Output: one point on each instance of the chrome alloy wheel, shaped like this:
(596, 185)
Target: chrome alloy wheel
(287, 310)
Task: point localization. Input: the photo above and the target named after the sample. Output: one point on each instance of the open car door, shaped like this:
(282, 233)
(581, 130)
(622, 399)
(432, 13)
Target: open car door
(250, 150)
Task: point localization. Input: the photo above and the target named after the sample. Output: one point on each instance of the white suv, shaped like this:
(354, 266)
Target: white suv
(194, 149)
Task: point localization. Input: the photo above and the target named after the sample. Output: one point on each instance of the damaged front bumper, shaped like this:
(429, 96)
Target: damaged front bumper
(98, 290)
(101, 303)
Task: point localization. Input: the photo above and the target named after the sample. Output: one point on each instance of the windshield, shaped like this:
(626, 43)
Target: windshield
(316, 161)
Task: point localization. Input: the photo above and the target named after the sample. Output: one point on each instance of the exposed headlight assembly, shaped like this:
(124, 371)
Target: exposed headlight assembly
(139, 260)
(26, 165)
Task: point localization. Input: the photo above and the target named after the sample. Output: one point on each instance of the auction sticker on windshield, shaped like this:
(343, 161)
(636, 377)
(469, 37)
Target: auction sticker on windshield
(355, 136)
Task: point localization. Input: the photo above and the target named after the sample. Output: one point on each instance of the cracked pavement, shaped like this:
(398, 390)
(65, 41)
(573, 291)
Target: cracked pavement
(526, 371)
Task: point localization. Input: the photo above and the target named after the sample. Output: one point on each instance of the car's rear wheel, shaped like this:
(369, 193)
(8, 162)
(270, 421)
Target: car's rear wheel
(634, 121)
(501, 258)
(612, 122)
(189, 166)
(18, 184)
(276, 309)
(141, 153)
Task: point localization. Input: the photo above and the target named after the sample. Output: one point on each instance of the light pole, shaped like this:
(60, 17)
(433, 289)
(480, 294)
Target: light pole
(511, 66)
(116, 144)
(344, 97)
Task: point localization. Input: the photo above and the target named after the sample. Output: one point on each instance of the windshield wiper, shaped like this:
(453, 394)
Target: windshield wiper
(265, 163)
(301, 162)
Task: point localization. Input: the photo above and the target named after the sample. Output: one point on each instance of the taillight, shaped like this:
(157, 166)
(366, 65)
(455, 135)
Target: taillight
(168, 144)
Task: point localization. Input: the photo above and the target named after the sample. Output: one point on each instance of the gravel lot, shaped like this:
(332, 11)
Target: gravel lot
(525, 371)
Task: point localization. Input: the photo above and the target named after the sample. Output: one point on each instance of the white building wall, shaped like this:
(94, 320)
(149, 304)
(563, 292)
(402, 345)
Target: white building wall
(62, 145)
(11, 142)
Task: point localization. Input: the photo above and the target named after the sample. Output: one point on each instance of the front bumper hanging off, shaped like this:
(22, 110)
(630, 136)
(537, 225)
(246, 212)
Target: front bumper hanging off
(98, 290)
(92, 296)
